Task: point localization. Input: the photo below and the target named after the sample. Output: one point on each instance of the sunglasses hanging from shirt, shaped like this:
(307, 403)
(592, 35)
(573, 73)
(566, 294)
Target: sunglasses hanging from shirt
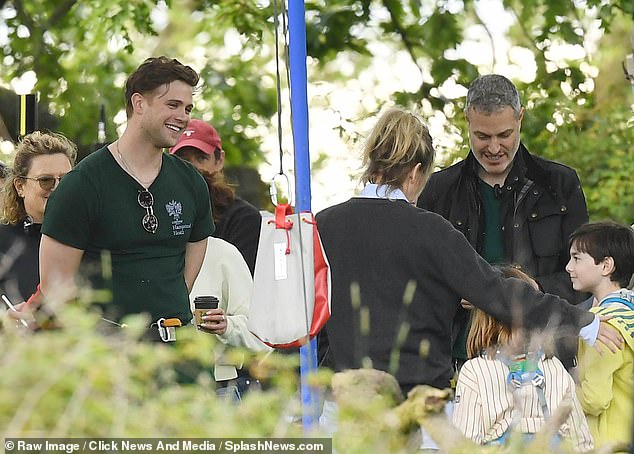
(146, 200)
(144, 197)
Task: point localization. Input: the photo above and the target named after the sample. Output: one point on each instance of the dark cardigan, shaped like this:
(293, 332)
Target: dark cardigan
(382, 245)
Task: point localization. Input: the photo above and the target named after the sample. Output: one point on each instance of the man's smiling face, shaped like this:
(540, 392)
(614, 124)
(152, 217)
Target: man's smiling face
(495, 138)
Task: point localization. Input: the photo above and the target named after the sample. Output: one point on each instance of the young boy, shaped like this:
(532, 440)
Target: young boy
(602, 263)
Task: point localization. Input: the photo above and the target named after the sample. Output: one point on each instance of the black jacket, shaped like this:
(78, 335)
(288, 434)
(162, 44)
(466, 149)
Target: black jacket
(542, 204)
(240, 225)
(19, 260)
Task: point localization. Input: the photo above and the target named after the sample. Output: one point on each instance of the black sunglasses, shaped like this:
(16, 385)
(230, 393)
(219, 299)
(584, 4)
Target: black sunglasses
(146, 200)
(46, 182)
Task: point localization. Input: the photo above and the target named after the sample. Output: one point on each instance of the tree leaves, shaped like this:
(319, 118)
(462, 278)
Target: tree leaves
(82, 52)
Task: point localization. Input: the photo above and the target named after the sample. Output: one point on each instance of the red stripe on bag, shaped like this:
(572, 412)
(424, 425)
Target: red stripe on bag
(321, 310)
(269, 302)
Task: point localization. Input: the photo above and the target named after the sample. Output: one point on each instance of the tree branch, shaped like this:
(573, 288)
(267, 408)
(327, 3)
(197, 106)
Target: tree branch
(23, 16)
(61, 11)
(489, 34)
(525, 32)
(404, 37)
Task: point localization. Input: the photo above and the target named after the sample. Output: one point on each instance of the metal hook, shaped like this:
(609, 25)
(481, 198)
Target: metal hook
(273, 189)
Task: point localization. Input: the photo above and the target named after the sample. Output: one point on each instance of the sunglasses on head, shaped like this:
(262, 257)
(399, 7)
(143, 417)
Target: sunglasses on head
(46, 182)
(146, 200)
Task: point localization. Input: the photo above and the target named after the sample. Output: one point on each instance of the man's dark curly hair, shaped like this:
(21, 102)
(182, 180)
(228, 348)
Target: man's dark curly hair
(155, 72)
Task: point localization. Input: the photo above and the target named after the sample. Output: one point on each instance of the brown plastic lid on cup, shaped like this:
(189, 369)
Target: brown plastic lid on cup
(205, 302)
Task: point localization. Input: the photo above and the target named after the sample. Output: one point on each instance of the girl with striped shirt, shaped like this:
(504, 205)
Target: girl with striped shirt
(499, 392)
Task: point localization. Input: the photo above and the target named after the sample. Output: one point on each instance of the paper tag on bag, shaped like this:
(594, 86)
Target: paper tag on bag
(279, 252)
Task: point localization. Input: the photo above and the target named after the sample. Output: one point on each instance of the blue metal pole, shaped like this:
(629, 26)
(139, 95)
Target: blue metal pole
(299, 101)
(299, 106)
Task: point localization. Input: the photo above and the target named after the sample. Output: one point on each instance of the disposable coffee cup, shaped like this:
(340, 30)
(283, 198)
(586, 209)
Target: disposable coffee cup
(201, 305)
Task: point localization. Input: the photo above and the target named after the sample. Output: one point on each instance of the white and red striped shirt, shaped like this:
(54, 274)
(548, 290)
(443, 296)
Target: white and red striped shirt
(484, 402)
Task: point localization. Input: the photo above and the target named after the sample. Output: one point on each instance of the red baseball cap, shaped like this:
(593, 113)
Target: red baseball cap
(200, 135)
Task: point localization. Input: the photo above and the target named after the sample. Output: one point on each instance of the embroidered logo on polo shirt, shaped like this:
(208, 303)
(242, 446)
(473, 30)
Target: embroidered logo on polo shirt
(174, 210)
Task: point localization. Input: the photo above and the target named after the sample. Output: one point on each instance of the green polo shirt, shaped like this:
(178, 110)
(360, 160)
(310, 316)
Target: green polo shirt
(493, 245)
(95, 209)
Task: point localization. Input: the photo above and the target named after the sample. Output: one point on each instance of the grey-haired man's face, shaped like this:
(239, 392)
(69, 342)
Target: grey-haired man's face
(495, 138)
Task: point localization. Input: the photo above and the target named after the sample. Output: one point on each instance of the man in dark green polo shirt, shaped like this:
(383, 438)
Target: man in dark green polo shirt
(148, 211)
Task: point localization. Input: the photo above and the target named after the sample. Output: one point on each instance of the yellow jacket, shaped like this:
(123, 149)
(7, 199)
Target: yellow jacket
(606, 382)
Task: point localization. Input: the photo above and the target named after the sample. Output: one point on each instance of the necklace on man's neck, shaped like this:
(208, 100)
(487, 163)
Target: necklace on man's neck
(128, 169)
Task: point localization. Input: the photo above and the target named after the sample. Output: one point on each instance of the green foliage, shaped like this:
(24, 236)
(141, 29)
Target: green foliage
(60, 49)
(332, 29)
(82, 52)
(79, 381)
(76, 382)
(597, 142)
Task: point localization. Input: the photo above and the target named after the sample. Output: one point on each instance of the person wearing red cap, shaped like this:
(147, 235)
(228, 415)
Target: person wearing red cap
(201, 145)
(237, 221)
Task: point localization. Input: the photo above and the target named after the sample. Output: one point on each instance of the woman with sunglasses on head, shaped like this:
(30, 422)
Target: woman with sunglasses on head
(41, 160)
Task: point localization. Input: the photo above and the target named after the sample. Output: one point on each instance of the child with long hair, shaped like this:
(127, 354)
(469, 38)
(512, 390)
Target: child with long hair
(510, 384)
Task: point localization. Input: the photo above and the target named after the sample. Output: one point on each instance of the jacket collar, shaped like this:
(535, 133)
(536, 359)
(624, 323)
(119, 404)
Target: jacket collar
(524, 166)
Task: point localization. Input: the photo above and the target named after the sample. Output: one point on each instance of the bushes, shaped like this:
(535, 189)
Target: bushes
(77, 382)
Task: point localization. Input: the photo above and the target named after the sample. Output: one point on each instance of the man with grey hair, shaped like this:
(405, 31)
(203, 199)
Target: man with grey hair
(513, 207)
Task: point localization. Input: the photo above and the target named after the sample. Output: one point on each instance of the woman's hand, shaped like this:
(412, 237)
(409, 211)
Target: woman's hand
(608, 337)
(466, 304)
(214, 322)
(22, 314)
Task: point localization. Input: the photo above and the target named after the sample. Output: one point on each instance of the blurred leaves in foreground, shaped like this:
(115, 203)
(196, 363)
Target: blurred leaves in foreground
(80, 382)
(86, 380)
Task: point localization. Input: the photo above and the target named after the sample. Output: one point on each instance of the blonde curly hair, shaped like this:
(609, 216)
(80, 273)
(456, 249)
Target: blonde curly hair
(35, 144)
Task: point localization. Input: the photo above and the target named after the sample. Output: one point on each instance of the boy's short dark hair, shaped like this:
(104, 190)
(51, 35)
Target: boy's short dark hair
(153, 73)
(608, 239)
